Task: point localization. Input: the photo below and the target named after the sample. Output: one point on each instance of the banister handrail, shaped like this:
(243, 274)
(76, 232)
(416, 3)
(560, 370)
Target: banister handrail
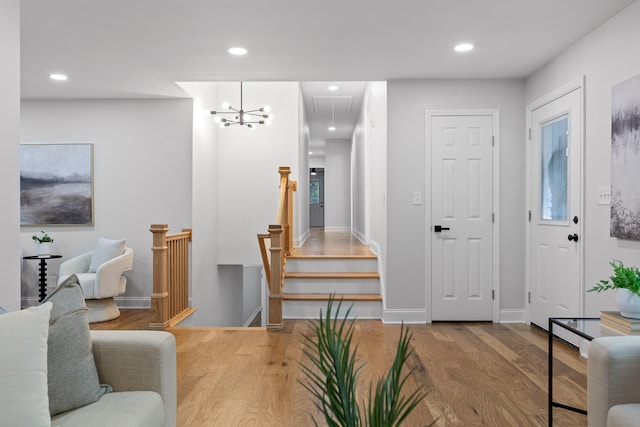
(282, 200)
(281, 238)
(170, 297)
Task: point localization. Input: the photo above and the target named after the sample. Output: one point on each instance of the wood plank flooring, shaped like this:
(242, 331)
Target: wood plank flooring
(477, 373)
(332, 244)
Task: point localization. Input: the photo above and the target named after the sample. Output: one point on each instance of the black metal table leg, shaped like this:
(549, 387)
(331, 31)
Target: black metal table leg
(43, 279)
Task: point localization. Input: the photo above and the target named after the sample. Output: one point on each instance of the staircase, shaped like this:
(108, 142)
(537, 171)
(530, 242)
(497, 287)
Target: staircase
(311, 279)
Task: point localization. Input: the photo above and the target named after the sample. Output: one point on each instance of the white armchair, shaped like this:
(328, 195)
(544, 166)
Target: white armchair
(101, 286)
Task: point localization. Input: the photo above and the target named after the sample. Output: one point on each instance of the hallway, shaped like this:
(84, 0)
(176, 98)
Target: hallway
(328, 244)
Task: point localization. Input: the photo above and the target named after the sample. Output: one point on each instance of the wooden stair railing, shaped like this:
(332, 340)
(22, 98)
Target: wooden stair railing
(170, 297)
(281, 244)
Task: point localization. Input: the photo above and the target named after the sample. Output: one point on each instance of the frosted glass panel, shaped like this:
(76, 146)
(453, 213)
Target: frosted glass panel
(314, 192)
(554, 169)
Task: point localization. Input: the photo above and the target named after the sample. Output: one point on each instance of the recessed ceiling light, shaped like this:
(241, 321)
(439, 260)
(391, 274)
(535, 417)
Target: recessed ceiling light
(333, 88)
(463, 47)
(310, 152)
(332, 128)
(237, 50)
(60, 77)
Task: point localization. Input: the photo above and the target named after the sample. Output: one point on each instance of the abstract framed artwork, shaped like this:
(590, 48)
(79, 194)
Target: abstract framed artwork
(625, 160)
(56, 184)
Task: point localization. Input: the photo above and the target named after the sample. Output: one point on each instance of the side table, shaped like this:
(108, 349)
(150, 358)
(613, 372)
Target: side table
(43, 272)
(584, 327)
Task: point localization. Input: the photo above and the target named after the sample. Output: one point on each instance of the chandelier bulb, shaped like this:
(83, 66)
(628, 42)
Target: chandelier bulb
(266, 108)
(225, 105)
(217, 119)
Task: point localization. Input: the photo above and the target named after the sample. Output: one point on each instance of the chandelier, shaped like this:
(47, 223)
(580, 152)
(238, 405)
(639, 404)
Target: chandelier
(242, 117)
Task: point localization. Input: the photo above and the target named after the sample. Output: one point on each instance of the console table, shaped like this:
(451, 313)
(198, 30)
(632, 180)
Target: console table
(43, 272)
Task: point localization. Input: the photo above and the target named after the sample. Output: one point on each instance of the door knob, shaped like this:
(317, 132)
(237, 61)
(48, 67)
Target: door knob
(439, 228)
(573, 237)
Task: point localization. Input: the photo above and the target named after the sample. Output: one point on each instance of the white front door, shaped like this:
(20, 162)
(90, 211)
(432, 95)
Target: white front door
(555, 208)
(461, 216)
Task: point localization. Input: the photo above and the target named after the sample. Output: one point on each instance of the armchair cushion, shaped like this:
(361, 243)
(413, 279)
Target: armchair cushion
(130, 408)
(613, 374)
(624, 415)
(23, 362)
(105, 250)
(72, 373)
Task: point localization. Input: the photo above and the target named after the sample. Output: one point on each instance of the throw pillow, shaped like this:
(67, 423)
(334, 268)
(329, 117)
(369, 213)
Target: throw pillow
(23, 372)
(104, 251)
(73, 377)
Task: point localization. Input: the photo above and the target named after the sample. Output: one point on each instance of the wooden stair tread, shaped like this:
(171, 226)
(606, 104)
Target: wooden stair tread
(299, 256)
(331, 275)
(325, 297)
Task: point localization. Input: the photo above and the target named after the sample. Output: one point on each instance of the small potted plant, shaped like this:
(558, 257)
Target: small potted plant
(627, 282)
(43, 243)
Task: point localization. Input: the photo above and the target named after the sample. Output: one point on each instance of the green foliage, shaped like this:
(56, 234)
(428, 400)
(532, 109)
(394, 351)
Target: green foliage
(44, 237)
(332, 378)
(623, 278)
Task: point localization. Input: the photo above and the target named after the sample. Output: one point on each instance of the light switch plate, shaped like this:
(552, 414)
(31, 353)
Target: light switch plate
(604, 195)
(417, 197)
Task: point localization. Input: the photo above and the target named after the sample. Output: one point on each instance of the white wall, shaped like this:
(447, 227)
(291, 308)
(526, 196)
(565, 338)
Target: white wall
(301, 196)
(9, 147)
(212, 309)
(408, 272)
(605, 57)
(376, 107)
(359, 169)
(337, 185)
(248, 163)
(251, 292)
(142, 176)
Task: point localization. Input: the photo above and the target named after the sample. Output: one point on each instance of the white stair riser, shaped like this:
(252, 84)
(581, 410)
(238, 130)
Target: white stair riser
(327, 286)
(331, 265)
(311, 309)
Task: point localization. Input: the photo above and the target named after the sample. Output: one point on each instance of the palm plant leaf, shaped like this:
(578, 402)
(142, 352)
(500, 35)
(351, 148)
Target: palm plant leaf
(331, 376)
(333, 381)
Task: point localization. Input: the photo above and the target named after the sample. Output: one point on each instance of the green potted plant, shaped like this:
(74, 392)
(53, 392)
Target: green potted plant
(43, 243)
(331, 376)
(627, 282)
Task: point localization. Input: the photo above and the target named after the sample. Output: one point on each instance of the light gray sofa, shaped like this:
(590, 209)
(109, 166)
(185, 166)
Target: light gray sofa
(613, 382)
(140, 366)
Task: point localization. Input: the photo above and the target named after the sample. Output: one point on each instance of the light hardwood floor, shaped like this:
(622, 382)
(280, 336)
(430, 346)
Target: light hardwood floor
(477, 373)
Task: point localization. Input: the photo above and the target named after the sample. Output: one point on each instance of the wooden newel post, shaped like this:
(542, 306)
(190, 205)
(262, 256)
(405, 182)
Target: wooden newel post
(160, 296)
(275, 284)
(287, 219)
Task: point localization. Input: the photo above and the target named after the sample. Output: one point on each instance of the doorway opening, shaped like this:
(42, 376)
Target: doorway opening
(316, 197)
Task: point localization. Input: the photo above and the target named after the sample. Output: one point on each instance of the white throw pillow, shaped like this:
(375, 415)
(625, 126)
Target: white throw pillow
(104, 251)
(24, 399)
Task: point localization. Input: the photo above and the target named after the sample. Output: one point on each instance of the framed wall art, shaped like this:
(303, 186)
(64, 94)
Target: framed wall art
(625, 159)
(56, 184)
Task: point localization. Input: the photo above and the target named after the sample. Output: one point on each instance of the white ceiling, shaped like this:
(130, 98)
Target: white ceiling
(139, 48)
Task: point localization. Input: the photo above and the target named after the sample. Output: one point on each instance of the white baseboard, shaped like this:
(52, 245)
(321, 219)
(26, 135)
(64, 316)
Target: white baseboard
(404, 316)
(122, 302)
(511, 316)
(133, 302)
(26, 302)
(257, 311)
(336, 229)
(301, 239)
(360, 237)
(375, 247)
